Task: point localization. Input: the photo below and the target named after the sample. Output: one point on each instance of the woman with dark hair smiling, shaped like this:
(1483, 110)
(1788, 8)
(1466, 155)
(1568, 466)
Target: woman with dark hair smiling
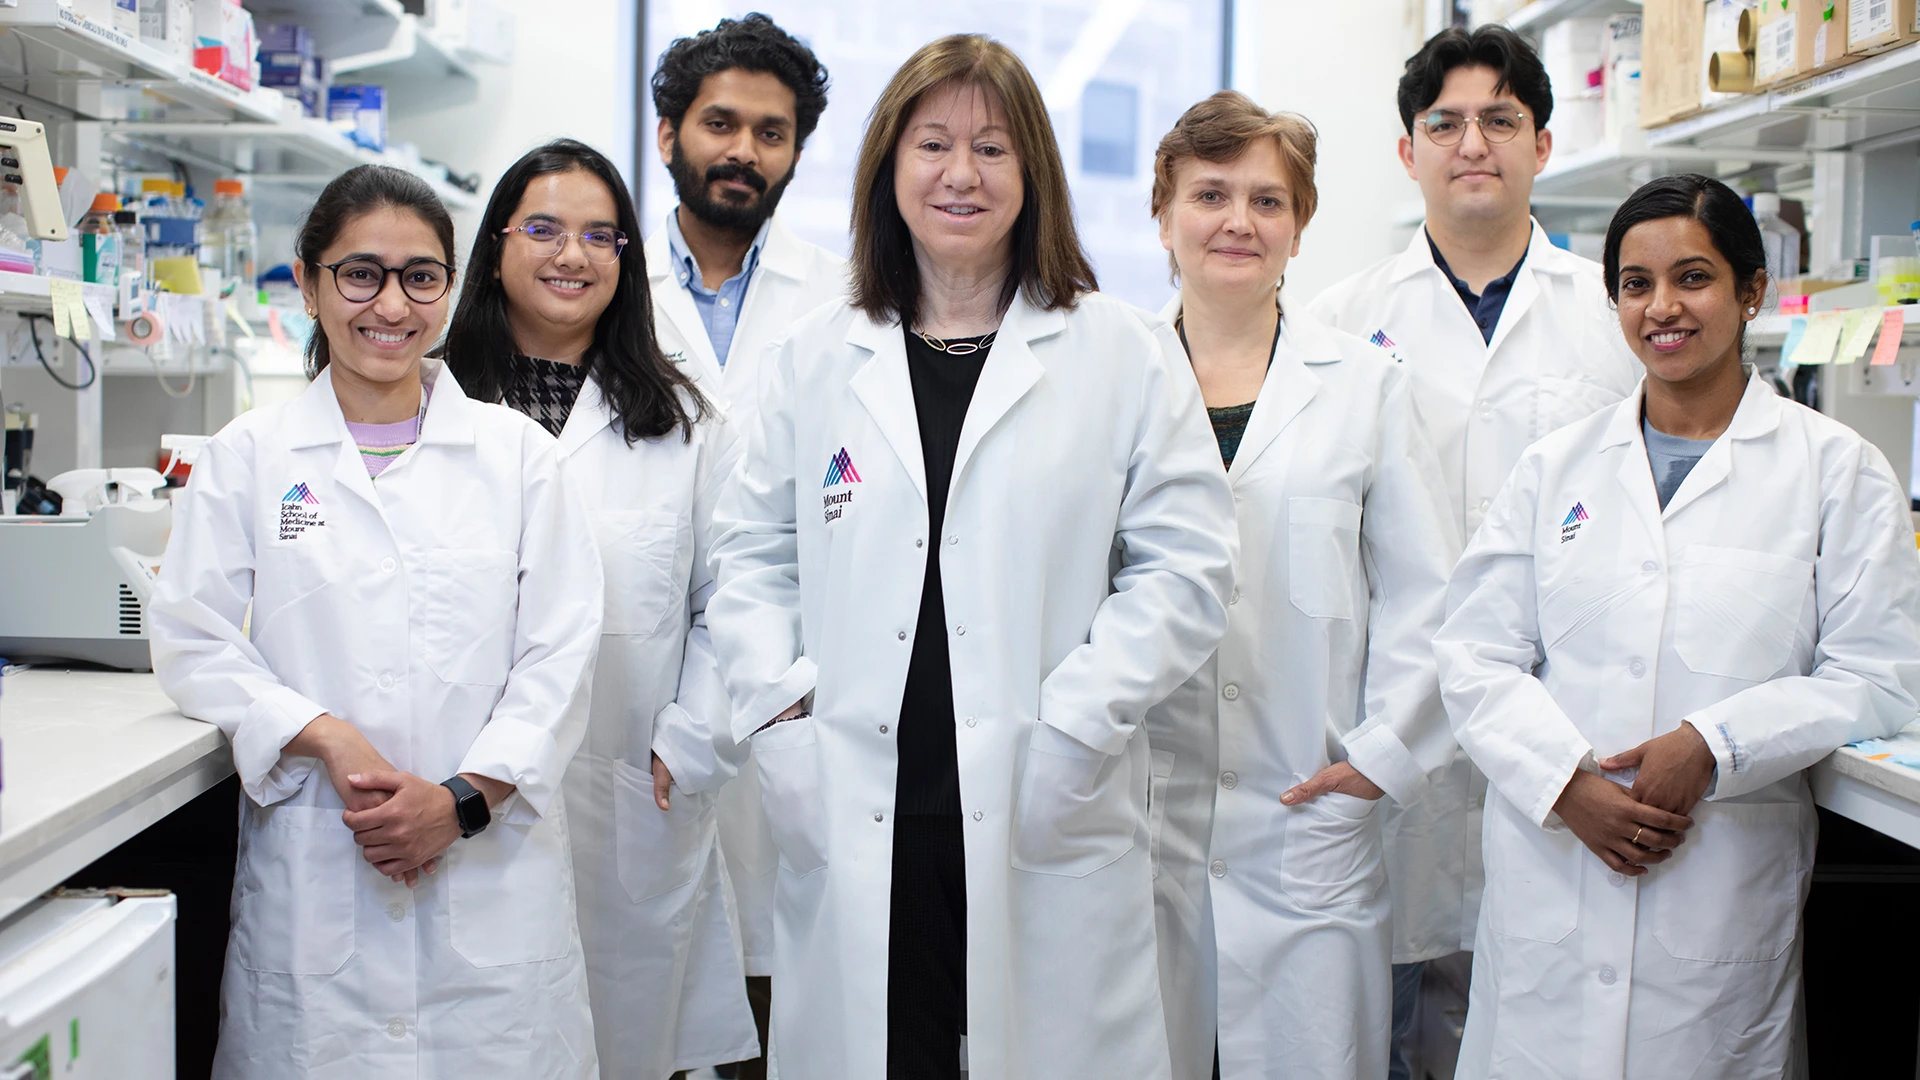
(377, 585)
(1672, 610)
(556, 319)
(1022, 541)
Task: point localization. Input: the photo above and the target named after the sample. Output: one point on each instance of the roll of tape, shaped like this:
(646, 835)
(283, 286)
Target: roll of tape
(145, 328)
(1730, 72)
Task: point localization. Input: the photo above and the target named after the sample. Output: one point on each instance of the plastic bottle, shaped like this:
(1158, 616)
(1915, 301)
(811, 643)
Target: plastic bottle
(100, 241)
(133, 258)
(230, 235)
(1781, 242)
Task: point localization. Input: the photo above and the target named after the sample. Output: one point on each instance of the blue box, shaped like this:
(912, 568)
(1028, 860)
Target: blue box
(360, 113)
(285, 38)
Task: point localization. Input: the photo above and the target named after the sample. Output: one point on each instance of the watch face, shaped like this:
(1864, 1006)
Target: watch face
(473, 812)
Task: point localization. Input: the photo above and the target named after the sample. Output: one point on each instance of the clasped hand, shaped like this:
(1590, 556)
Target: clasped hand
(1633, 829)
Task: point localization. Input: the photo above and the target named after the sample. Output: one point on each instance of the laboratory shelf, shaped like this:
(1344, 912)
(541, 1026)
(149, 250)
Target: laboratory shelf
(1770, 331)
(302, 153)
(1541, 14)
(1863, 106)
(340, 28)
(30, 292)
(1600, 176)
(97, 72)
(415, 66)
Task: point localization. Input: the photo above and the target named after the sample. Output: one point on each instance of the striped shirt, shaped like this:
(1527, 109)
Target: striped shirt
(382, 444)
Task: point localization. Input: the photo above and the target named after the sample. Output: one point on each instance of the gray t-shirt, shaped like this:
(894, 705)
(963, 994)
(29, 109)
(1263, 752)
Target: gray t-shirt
(1672, 458)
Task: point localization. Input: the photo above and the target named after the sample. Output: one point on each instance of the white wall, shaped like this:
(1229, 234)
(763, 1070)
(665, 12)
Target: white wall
(1337, 64)
(572, 75)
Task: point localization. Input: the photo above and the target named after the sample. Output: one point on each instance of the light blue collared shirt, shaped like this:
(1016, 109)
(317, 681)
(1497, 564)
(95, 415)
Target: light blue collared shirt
(719, 308)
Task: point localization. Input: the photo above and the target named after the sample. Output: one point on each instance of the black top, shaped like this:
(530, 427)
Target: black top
(1229, 426)
(929, 777)
(1486, 307)
(543, 390)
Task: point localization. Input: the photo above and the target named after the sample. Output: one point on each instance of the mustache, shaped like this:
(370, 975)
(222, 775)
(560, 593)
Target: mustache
(744, 174)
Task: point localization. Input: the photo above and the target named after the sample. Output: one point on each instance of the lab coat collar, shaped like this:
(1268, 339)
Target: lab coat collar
(673, 304)
(783, 253)
(1542, 256)
(315, 419)
(590, 415)
(1290, 383)
(1758, 416)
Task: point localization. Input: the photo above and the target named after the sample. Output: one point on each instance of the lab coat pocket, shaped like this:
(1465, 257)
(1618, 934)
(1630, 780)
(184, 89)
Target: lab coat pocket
(1323, 556)
(640, 554)
(1731, 893)
(1159, 775)
(788, 758)
(1533, 876)
(293, 891)
(1738, 610)
(657, 851)
(1330, 856)
(468, 600)
(1563, 401)
(1073, 816)
(510, 894)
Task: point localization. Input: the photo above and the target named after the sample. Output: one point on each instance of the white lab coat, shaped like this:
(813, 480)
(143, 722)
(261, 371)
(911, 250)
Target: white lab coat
(1556, 356)
(792, 278)
(450, 613)
(656, 909)
(1775, 606)
(1081, 437)
(1275, 919)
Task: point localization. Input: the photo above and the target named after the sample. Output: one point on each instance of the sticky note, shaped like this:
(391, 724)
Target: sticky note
(277, 328)
(178, 274)
(1796, 329)
(1857, 334)
(1822, 337)
(101, 308)
(1889, 347)
(69, 309)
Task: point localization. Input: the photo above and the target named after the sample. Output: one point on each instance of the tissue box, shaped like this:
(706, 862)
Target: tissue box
(359, 113)
(224, 46)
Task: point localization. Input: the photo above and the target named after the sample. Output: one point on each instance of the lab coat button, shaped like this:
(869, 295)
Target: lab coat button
(396, 912)
(386, 681)
(971, 722)
(952, 539)
(902, 635)
(919, 542)
(977, 815)
(1231, 692)
(1637, 667)
(960, 631)
(1649, 566)
(1616, 879)
(1485, 505)
(1607, 975)
(1486, 410)
(1229, 781)
(1219, 868)
(879, 817)
(1235, 598)
(883, 729)
(397, 1027)
(388, 566)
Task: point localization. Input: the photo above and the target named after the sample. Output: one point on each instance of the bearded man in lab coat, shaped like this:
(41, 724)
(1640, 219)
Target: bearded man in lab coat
(1507, 338)
(736, 104)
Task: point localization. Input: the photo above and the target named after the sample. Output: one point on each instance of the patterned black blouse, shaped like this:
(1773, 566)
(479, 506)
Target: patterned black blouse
(543, 390)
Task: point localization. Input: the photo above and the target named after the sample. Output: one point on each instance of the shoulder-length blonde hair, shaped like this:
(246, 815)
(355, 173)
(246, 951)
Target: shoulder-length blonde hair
(1048, 261)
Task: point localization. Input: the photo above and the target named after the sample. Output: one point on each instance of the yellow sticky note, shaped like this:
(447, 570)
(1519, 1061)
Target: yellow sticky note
(179, 274)
(1820, 340)
(62, 294)
(1857, 334)
(1889, 347)
(233, 312)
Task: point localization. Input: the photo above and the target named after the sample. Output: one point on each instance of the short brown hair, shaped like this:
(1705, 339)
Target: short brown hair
(1220, 129)
(1048, 261)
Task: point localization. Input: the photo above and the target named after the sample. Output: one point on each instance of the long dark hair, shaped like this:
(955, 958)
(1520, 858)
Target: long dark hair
(648, 394)
(362, 189)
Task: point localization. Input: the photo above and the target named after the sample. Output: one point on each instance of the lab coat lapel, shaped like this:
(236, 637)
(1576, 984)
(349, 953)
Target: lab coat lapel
(315, 419)
(1290, 385)
(1526, 289)
(589, 417)
(671, 302)
(1634, 474)
(1010, 371)
(886, 391)
(1757, 416)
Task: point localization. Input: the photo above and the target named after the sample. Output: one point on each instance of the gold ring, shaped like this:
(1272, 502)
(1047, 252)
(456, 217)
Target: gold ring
(1636, 836)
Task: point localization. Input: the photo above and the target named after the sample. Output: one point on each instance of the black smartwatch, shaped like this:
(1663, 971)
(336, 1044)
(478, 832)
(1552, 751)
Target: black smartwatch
(470, 808)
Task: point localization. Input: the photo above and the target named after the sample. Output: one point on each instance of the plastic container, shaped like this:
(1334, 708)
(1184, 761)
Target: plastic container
(100, 241)
(132, 284)
(57, 258)
(1782, 243)
(231, 237)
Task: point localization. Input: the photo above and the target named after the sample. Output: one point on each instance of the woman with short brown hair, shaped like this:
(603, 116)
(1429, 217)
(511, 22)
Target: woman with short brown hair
(1022, 543)
(1271, 889)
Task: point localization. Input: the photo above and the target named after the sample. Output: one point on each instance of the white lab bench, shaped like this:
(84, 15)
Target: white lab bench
(91, 758)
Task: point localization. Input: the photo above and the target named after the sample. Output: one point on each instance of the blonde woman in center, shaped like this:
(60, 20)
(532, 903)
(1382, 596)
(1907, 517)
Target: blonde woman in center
(1269, 764)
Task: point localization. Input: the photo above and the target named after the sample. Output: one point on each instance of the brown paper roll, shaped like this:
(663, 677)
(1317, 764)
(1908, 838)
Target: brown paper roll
(1730, 72)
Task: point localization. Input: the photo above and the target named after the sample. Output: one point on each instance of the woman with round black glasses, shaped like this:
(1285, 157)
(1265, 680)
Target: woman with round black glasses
(386, 596)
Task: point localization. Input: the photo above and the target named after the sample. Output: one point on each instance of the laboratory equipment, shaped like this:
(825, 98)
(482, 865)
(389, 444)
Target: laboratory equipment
(87, 987)
(92, 570)
(24, 162)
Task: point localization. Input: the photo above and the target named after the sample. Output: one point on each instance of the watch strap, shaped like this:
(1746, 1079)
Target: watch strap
(470, 810)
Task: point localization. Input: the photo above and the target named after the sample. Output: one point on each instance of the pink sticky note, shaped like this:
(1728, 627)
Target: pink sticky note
(275, 328)
(1889, 345)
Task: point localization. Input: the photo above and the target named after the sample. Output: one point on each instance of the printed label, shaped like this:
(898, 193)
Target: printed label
(1868, 19)
(1773, 57)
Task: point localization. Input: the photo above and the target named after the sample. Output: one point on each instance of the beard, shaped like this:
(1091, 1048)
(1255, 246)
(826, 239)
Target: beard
(731, 211)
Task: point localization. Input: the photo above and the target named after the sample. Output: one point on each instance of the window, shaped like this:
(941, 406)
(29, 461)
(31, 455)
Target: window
(1117, 73)
(1109, 116)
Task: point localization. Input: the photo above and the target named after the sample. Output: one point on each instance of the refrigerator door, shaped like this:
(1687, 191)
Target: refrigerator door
(86, 990)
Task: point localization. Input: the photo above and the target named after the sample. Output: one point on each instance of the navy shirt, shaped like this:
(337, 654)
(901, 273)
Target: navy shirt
(1486, 307)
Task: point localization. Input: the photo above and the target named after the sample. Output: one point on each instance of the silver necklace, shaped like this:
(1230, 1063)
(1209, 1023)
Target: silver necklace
(954, 347)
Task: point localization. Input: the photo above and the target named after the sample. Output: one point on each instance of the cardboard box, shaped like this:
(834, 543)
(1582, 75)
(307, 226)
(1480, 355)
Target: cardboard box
(1874, 26)
(224, 47)
(1677, 38)
(1798, 39)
